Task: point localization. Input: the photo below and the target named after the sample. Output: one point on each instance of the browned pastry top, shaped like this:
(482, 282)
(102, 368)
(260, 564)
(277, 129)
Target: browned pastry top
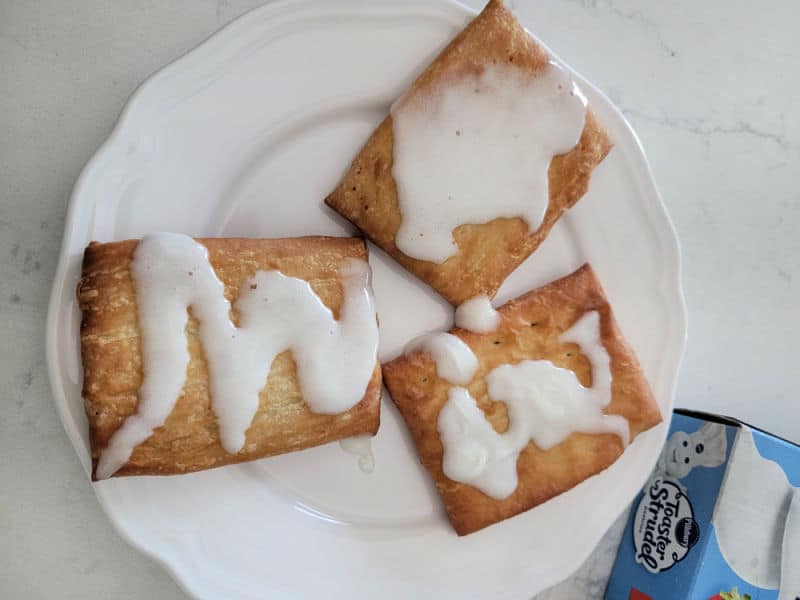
(529, 329)
(189, 440)
(488, 252)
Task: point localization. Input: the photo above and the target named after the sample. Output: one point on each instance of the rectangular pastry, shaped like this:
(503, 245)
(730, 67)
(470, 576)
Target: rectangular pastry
(476, 162)
(546, 396)
(202, 353)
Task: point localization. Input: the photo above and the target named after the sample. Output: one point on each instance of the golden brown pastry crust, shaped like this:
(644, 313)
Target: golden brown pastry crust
(488, 252)
(530, 327)
(189, 440)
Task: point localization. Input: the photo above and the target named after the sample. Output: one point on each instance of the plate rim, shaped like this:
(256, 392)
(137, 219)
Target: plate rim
(166, 556)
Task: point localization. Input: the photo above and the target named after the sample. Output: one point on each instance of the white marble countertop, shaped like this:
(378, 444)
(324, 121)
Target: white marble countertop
(711, 87)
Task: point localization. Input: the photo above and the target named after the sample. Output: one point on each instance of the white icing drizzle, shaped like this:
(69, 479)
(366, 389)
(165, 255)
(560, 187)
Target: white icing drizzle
(360, 446)
(586, 333)
(479, 149)
(545, 405)
(454, 360)
(335, 358)
(477, 314)
(474, 453)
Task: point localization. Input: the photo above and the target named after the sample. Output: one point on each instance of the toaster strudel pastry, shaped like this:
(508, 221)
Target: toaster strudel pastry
(465, 178)
(554, 397)
(203, 353)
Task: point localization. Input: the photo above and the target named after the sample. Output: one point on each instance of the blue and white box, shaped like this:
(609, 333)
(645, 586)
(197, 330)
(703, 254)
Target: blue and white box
(719, 518)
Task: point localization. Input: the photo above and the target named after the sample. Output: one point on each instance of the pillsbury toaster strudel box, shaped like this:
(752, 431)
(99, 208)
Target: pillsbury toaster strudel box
(718, 519)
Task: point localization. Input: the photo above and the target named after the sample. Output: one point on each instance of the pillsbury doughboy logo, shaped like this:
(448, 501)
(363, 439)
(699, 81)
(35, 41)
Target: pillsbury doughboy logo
(664, 529)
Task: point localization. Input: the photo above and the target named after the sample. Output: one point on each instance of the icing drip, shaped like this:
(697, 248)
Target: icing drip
(454, 360)
(477, 314)
(360, 446)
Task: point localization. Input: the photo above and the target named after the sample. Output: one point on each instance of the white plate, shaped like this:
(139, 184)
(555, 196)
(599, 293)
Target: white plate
(244, 136)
